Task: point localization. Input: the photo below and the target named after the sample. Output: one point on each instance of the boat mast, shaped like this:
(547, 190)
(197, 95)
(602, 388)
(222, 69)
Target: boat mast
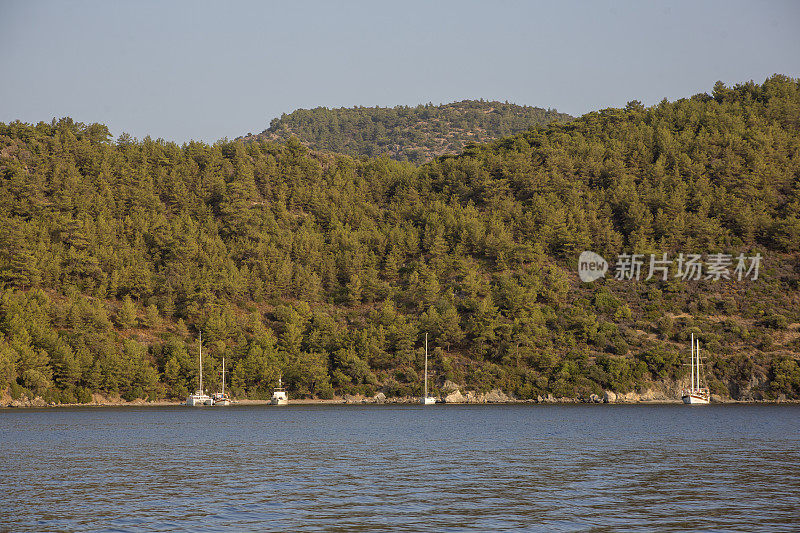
(691, 388)
(201, 361)
(697, 351)
(426, 366)
(223, 376)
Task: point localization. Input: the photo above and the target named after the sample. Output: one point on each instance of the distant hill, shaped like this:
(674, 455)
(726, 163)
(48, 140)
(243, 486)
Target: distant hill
(415, 134)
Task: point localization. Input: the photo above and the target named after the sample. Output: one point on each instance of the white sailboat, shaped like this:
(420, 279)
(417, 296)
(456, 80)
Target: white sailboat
(426, 400)
(200, 397)
(220, 398)
(279, 395)
(695, 394)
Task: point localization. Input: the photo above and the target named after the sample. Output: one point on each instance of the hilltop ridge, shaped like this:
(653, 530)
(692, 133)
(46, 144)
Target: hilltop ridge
(415, 134)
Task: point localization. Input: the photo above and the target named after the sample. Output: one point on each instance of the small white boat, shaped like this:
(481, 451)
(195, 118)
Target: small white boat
(200, 397)
(220, 398)
(694, 394)
(425, 399)
(279, 395)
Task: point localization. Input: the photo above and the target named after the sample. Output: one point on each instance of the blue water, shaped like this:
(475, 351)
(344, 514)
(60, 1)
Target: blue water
(402, 468)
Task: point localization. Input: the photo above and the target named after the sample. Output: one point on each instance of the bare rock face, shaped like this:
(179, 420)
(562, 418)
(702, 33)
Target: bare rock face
(455, 397)
(5, 398)
(594, 398)
(628, 397)
(495, 396)
(753, 389)
(659, 394)
(380, 398)
(609, 396)
(350, 398)
(27, 402)
(449, 387)
(38, 402)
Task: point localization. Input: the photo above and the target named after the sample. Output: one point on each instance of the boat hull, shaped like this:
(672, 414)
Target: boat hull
(427, 400)
(279, 397)
(199, 402)
(695, 399)
(221, 399)
(199, 399)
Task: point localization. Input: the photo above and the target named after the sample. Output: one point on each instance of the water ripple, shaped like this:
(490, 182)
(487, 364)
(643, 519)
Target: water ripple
(406, 468)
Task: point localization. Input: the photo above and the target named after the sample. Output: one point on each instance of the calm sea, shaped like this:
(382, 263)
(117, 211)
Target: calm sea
(401, 468)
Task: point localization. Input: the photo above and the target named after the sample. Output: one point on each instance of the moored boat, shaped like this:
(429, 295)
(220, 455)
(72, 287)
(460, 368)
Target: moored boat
(200, 397)
(279, 395)
(220, 398)
(695, 394)
(425, 399)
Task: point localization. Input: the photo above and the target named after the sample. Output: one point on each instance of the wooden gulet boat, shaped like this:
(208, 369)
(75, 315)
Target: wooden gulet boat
(695, 394)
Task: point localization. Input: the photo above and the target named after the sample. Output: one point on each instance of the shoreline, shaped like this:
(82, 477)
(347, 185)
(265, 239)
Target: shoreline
(370, 401)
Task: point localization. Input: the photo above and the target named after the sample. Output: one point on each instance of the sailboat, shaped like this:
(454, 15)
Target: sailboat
(200, 397)
(695, 394)
(220, 398)
(279, 395)
(426, 400)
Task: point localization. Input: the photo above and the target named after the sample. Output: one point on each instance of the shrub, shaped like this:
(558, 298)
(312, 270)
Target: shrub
(17, 391)
(83, 395)
(775, 321)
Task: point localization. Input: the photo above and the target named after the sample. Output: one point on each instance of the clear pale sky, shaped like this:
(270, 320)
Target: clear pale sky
(184, 70)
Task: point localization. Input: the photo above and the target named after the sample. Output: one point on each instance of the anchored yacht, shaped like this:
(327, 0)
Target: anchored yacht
(279, 395)
(695, 394)
(425, 399)
(200, 397)
(220, 398)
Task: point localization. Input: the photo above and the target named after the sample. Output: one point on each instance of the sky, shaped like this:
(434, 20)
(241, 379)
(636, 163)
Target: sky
(198, 70)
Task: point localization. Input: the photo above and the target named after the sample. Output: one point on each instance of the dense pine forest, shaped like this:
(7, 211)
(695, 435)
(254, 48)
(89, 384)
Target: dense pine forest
(330, 269)
(415, 134)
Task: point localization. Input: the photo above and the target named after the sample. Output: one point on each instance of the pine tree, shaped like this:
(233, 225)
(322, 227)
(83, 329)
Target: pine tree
(126, 316)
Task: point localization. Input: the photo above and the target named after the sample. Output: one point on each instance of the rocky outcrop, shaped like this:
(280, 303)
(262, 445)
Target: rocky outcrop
(380, 398)
(455, 397)
(449, 387)
(753, 389)
(609, 396)
(351, 398)
(24, 401)
(495, 396)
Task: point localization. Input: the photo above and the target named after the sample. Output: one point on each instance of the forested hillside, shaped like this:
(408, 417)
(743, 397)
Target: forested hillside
(415, 134)
(330, 270)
